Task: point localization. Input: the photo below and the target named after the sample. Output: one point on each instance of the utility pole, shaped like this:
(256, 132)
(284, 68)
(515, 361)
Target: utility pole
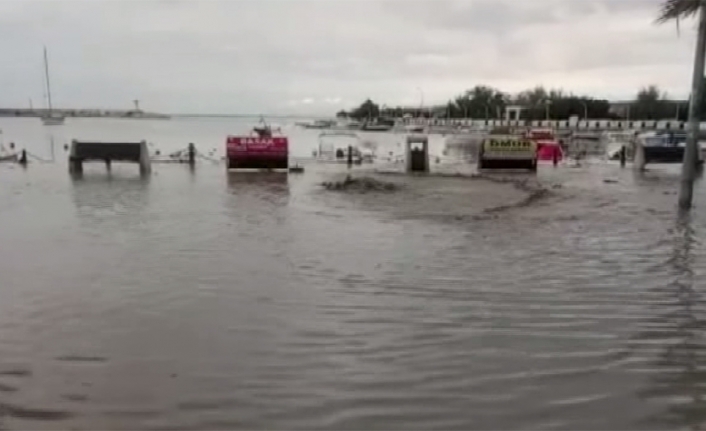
(546, 108)
(691, 156)
(585, 110)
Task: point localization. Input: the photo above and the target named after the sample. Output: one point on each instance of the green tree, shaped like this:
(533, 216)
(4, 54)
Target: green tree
(367, 109)
(651, 104)
(480, 102)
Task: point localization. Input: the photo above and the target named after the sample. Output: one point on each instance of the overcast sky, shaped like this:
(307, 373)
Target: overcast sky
(316, 57)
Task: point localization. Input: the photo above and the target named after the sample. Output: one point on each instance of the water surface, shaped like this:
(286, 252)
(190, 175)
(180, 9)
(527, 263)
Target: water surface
(206, 300)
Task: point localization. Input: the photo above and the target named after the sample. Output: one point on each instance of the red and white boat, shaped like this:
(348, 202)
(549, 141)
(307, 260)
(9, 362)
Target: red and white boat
(262, 149)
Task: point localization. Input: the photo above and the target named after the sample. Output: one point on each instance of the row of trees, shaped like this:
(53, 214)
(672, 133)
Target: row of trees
(482, 101)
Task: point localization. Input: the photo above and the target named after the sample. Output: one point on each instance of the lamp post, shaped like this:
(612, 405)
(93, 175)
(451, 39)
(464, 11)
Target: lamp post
(421, 100)
(585, 110)
(547, 103)
(691, 149)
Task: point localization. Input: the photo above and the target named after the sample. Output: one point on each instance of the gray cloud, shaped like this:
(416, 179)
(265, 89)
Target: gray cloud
(312, 56)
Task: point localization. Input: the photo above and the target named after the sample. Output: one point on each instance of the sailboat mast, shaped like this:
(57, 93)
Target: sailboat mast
(46, 73)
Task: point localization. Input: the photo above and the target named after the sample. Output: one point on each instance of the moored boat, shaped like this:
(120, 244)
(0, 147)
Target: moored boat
(333, 148)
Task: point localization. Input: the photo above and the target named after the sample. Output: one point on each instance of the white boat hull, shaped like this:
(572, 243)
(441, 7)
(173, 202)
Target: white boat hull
(53, 121)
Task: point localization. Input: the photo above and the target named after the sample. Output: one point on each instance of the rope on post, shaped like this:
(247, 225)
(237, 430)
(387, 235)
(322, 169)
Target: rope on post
(210, 159)
(34, 156)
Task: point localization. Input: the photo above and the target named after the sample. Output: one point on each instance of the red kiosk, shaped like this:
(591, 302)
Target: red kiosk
(548, 148)
(259, 150)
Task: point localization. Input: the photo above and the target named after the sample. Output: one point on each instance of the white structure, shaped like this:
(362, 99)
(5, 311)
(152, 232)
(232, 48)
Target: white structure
(513, 112)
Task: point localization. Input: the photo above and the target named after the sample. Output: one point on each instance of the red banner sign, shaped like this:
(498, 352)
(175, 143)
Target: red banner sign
(247, 146)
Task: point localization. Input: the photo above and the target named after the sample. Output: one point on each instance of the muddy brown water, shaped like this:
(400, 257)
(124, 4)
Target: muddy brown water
(211, 301)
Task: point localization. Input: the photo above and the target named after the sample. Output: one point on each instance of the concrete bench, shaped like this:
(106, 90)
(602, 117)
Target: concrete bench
(107, 152)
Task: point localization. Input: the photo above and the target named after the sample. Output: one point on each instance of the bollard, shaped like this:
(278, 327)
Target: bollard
(23, 158)
(192, 154)
(107, 164)
(555, 156)
(350, 156)
(623, 156)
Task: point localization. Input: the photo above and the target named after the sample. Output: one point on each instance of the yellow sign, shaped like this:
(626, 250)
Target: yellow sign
(506, 144)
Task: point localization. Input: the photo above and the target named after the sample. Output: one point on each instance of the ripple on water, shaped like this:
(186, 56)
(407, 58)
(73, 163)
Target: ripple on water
(206, 301)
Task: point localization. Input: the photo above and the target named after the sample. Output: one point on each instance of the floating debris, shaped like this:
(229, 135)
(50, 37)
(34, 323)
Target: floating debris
(363, 184)
(296, 169)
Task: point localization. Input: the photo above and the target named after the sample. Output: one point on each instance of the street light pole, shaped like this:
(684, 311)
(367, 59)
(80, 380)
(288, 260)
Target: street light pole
(585, 110)
(421, 100)
(688, 170)
(546, 108)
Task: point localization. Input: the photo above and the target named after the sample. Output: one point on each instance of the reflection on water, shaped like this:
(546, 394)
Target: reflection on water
(105, 201)
(270, 186)
(210, 300)
(678, 375)
(270, 180)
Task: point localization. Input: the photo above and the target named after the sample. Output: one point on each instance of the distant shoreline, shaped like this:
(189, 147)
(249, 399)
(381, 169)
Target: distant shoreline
(83, 113)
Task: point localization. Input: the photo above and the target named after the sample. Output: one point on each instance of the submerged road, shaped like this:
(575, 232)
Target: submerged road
(211, 301)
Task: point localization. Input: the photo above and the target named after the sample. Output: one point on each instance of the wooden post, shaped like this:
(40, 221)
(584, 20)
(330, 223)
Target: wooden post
(75, 166)
(350, 156)
(623, 156)
(192, 154)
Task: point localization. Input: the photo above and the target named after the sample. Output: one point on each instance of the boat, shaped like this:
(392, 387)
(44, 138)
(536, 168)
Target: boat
(320, 124)
(346, 125)
(50, 118)
(378, 125)
(413, 128)
(264, 130)
(337, 152)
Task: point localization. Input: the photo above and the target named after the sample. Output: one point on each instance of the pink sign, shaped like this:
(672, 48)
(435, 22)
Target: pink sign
(549, 150)
(245, 147)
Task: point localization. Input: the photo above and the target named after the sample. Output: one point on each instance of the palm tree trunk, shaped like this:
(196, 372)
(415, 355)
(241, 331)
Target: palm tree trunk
(692, 149)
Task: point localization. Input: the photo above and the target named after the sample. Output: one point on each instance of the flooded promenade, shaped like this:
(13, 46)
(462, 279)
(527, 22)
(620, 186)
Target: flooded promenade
(205, 300)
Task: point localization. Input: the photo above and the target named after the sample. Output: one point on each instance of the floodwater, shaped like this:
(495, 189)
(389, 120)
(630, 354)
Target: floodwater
(205, 300)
